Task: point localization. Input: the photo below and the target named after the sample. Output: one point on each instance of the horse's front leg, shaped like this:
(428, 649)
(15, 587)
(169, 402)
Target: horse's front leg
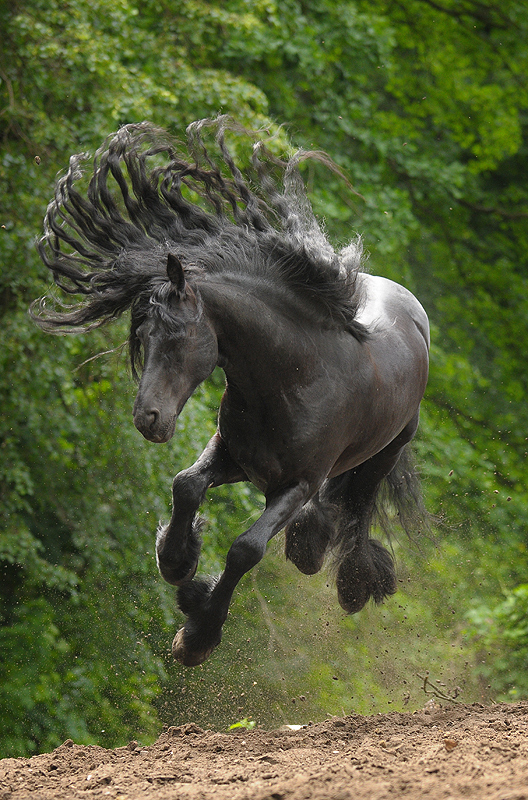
(178, 543)
(206, 603)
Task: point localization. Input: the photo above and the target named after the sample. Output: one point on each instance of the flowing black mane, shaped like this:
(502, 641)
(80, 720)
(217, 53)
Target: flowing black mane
(146, 198)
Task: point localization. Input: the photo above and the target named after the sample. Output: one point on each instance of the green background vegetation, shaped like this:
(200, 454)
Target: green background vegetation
(425, 106)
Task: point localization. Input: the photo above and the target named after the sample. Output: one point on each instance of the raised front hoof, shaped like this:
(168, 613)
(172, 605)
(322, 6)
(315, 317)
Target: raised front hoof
(178, 564)
(177, 577)
(185, 654)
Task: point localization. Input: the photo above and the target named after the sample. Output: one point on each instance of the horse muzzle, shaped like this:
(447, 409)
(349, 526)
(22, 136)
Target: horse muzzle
(153, 426)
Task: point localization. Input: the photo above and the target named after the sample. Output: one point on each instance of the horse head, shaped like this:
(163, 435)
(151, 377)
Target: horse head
(180, 350)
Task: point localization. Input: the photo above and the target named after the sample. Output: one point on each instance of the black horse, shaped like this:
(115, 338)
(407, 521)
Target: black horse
(325, 365)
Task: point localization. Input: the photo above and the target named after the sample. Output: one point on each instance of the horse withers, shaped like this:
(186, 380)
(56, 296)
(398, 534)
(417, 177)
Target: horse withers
(325, 365)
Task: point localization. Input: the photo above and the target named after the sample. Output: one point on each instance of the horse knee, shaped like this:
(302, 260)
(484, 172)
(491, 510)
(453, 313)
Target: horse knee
(187, 490)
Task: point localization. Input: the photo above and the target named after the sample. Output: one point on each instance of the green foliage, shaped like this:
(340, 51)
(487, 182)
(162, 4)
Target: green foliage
(423, 104)
(246, 724)
(501, 634)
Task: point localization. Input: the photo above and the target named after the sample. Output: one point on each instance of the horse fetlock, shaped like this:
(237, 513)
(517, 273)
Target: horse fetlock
(193, 597)
(385, 583)
(202, 631)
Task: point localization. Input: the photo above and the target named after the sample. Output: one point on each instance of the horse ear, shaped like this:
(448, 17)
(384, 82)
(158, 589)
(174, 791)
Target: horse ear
(175, 273)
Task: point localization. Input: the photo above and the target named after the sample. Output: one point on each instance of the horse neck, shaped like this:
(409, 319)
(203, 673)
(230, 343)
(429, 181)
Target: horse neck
(256, 326)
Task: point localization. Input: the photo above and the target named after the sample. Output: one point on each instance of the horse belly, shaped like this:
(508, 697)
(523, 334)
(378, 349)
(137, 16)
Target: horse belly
(376, 418)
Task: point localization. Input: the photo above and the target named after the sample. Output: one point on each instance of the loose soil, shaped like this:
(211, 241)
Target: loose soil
(434, 754)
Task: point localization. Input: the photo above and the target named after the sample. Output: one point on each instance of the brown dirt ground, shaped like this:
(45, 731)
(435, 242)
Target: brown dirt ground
(438, 753)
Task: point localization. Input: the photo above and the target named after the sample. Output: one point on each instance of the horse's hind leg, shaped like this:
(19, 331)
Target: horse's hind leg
(308, 536)
(178, 543)
(365, 567)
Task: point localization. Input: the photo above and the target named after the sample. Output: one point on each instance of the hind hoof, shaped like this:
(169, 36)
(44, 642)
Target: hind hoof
(352, 599)
(364, 574)
(307, 539)
(306, 563)
(182, 653)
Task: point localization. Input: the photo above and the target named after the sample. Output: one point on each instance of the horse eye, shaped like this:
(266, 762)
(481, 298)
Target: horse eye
(141, 332)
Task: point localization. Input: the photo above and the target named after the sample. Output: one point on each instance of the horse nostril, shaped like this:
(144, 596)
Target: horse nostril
(152, 417)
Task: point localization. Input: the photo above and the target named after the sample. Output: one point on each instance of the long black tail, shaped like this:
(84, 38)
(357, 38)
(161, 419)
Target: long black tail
(398, 502)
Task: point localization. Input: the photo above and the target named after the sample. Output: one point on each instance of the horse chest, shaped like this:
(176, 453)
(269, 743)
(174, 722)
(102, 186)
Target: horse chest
(279, 438)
